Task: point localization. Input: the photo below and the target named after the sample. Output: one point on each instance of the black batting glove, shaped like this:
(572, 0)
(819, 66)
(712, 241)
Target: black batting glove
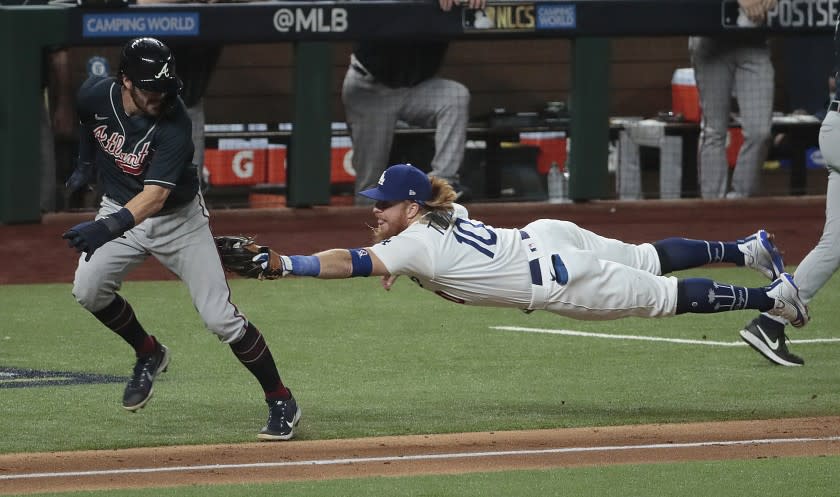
(81, 177)
(90, 235)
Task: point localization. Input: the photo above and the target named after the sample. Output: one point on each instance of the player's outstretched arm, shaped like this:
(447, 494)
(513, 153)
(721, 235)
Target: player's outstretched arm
(345, 263)
(241, 255)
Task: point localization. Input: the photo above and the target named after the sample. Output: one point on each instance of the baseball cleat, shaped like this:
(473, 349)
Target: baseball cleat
(283, 416)
(140, 387)
(788, 304)
(767, 337)
(761, 254)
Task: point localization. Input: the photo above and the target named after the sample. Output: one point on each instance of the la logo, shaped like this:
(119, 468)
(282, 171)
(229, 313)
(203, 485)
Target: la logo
(164, 71)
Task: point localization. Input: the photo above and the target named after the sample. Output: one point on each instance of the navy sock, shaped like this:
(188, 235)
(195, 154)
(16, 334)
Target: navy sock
(119, 317)
(683, 253)
(701, 295)
(254, 354)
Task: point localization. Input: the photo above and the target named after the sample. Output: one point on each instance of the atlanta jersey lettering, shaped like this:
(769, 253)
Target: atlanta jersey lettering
(133, 151)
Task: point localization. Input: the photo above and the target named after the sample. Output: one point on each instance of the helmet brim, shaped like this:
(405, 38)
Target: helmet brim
(171, 86)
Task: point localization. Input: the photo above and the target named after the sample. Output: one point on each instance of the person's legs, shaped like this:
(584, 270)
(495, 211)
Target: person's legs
(824, 259)
(371, 112)
(780, 298)
(757, 251)
(560, 234)
(48, 162)
(754, 87)
(596, 289)
(197, 116)
(95, 287)
(765, 333)
(184, 244)
(444, 105)
(714, 73)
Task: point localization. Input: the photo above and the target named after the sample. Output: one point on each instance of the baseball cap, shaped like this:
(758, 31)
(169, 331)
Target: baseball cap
(401, 182)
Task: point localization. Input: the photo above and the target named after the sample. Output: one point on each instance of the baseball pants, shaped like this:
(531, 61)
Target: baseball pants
(183, 243)
(824, 259)
(372, 111)
(720, 71)
(608, 279)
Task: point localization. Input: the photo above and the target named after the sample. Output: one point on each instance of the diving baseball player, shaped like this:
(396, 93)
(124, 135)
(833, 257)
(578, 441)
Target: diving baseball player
(547, 265)
(137, 135)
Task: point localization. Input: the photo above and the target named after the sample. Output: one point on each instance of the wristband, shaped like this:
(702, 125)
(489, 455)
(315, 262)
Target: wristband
(360, 261)
(305, 265)
(119, 222)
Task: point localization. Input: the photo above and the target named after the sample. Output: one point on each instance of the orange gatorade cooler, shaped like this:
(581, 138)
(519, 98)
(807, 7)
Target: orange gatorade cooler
(685, 99)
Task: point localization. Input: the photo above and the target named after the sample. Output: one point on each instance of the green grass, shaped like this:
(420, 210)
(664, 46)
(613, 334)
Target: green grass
(790, 477)
(364, 362)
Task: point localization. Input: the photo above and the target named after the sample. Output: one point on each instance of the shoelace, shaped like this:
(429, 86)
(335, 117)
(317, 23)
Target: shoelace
(138, 379)
(280, 406)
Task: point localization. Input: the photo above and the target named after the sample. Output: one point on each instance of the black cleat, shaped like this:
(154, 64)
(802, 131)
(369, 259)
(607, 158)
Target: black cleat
(139, 389)
(768, 338)
(283, 416)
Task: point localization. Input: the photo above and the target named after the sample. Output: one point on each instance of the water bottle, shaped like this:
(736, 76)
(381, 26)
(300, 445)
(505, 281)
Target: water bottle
(558, 185)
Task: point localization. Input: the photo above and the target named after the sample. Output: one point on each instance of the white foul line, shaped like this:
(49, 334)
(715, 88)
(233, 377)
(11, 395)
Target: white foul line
(647, 338)
(417, 457)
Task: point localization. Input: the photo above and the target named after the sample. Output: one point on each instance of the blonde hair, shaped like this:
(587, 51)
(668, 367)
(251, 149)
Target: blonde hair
(442, 195)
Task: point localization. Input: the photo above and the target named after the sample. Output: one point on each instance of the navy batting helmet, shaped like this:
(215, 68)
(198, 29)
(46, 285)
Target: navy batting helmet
(150, 65)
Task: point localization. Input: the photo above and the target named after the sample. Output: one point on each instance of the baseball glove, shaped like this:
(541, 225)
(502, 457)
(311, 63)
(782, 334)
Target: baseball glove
(241, 255)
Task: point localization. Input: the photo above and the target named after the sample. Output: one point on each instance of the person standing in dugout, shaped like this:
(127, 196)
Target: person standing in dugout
(137, 135)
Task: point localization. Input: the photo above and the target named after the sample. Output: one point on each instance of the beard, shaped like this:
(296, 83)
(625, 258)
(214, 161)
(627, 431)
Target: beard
(145, 105)
(378, 234)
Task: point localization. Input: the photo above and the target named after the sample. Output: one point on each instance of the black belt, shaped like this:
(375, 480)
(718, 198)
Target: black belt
(834, 106)
(359, 69)
(534, 265)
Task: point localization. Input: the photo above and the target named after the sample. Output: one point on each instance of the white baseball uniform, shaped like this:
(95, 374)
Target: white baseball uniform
(549, 265)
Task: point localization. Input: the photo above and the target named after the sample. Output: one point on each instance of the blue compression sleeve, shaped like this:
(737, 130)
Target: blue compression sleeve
(683, 253)
(305, 265)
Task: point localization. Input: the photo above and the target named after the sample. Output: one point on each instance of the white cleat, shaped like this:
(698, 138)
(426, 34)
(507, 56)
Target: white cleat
(761, 254)
(788, 304)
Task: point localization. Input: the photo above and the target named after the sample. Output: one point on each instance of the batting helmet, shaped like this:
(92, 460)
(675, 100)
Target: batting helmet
(150, 65)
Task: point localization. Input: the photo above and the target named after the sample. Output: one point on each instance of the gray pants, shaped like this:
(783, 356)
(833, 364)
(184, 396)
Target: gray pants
(183, 243)
(721, 68)
(48, 162)
(196, 114)
(372, 112)
(824, 259)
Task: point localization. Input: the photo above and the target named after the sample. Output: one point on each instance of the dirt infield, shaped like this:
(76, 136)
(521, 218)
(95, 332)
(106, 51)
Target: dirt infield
(415, 455)
(35, 253)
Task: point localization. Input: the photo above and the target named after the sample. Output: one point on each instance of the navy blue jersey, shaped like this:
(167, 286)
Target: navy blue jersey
(133, 151)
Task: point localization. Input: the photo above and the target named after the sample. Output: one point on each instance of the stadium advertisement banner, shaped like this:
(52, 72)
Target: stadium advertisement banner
(101, 25)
